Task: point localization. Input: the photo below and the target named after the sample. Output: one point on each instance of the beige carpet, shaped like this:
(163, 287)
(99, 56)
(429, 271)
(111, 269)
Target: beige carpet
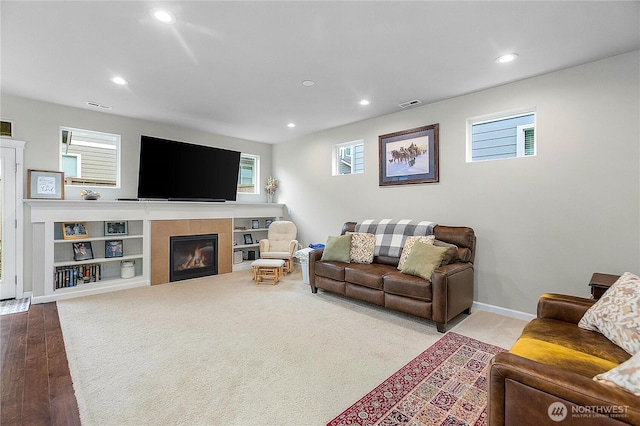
(224, 351)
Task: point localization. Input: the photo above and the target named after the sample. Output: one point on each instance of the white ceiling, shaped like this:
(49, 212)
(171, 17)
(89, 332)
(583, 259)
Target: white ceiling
(236, 68)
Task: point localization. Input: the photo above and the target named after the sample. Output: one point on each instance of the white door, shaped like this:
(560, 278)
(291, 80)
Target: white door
(8, 278)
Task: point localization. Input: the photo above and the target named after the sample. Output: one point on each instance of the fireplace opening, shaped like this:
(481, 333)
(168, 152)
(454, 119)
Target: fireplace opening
(193, 256)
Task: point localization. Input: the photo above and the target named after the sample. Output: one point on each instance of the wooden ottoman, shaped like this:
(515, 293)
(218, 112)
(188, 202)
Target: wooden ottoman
(269, 269)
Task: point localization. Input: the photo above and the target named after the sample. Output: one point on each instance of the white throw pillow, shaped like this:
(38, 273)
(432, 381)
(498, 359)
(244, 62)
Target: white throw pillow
(617, 314)
(626, 375)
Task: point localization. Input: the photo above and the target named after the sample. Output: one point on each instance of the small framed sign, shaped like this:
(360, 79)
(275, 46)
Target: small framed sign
(45, 184)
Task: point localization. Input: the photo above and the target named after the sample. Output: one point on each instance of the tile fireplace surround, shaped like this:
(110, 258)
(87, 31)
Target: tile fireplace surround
(162, 230)
(158, 220)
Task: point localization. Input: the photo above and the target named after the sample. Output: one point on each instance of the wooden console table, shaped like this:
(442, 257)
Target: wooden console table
(600, 283)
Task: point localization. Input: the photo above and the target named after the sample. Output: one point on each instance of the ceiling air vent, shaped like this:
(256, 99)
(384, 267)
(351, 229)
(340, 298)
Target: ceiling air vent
(410, 103)
(97, 105)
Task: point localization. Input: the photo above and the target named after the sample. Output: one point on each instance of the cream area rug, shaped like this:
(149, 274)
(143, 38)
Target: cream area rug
(224, 351)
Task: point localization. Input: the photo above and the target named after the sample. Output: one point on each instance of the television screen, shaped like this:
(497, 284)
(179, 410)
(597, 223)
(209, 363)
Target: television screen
(175, 170)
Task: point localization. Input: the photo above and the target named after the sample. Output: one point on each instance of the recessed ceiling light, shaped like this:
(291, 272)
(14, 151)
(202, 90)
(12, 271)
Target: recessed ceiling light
(291, 125)
(509, 57)
(119, 80)
(163, 16)
(364, 102)
(308, 83)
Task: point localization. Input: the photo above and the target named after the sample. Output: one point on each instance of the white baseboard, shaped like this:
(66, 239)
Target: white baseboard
(502, 311)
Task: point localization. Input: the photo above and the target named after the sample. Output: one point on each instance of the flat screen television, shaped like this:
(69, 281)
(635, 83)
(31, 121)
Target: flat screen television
(180, 171)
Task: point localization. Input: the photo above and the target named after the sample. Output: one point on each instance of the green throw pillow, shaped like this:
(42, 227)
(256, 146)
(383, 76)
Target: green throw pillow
(338, 249)
(423, 259)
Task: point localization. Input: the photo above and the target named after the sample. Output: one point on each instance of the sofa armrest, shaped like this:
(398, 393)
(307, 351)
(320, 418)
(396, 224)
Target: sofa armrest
(544, 384)
(563, 307)
(452, 289)
(314, 256)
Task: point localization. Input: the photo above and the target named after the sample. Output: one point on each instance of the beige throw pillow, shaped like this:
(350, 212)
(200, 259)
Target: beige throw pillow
(626, 375)
(363, 246)
(423, 259)
(617, 314)
(408, 244)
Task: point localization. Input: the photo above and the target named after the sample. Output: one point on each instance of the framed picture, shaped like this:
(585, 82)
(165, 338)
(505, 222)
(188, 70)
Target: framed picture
(267, 223)
(82, 251)
(45, 184)
(255, 224)
(113, 248)
(410, 156)
(116, 228)
(75, 230)
(248, 239)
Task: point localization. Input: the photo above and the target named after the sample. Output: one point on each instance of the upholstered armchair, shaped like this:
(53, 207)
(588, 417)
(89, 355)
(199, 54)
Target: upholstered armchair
(280, 243)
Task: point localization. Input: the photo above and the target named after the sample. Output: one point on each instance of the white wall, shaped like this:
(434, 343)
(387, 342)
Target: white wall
(543, 223)
(38, 124)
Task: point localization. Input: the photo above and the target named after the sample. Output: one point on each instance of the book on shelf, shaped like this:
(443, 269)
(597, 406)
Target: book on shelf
(71, 276)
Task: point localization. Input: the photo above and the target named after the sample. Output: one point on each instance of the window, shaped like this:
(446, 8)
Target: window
(349, 158)
(248, 174)
(90, 158)
(504, 136)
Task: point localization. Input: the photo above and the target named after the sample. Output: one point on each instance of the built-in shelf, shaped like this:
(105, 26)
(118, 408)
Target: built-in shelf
(52, 252)
(257, 229)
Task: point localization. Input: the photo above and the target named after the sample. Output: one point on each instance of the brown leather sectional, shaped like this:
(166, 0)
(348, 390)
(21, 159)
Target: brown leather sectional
(448, 293)
(547, 376)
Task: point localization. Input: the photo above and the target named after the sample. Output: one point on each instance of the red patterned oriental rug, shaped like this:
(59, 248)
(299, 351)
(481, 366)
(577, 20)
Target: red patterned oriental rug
(444, 385)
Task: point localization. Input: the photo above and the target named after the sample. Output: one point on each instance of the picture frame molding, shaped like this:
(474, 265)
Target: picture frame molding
(408, 136)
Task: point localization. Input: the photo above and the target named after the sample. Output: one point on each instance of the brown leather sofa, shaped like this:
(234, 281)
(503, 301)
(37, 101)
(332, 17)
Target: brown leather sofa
(554, 361)
(448, 293)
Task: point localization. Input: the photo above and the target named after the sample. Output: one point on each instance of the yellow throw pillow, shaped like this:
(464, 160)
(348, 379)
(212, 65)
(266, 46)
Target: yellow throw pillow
(423, 259)
(337, 249)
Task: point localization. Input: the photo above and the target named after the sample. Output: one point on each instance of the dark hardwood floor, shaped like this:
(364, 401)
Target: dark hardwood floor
(35, 382)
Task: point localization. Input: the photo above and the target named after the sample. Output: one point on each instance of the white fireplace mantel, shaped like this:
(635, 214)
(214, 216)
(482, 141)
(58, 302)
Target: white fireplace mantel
(45, 217)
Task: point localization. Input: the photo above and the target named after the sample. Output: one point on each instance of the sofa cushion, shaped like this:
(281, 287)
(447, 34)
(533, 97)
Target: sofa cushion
(337, 248)
(407, 285)
(332, 270)
(367, 275)
(564, 345)
(617, 313)
(423, 259)
(362, 247)
(626, 375)
(408, 245)
(451, 254)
